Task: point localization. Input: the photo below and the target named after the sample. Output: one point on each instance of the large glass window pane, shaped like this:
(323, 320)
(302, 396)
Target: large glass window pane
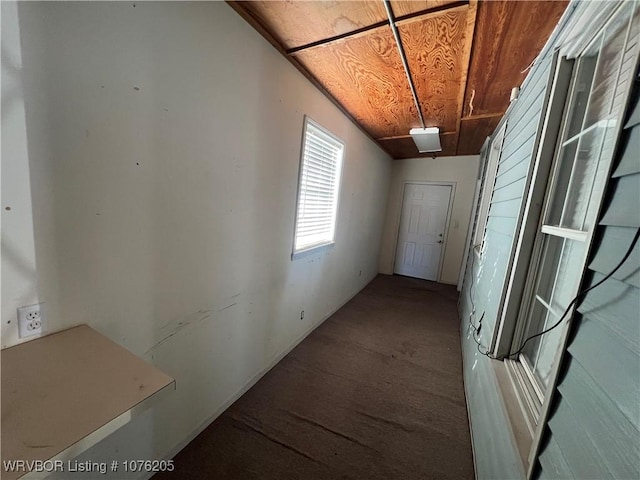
(582, 176)
(581, 88)
(566, 160)
(575, 174)
(606, 76)
(560, 265)
(568, 269)
(540, 351)
(551, 255)
(548, 347)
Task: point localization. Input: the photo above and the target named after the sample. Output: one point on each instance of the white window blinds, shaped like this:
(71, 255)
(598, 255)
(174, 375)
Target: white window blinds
(318, 188)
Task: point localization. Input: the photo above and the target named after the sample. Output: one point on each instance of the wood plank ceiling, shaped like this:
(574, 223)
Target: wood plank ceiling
(464, 58)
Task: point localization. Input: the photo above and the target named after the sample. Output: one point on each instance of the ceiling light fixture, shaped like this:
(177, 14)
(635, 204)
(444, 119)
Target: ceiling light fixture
(426, 139)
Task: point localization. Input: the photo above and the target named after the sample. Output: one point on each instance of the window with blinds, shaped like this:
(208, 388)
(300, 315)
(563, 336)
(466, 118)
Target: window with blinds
(318, 188)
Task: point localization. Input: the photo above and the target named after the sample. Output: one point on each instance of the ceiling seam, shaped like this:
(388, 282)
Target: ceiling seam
(367, 28)
(342, 36)
(403, 58)
(453, 18)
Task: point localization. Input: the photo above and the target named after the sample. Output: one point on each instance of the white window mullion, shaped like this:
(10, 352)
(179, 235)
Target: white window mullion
(569, 187)
(565, 233)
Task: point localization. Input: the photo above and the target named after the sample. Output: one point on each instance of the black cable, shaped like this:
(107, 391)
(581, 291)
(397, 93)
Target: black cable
(576, 298)
(475, 329)
(485, 353)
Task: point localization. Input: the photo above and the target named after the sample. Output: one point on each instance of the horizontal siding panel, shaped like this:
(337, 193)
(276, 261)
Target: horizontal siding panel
(629, 162)
(507, 209)
(629, 60)
(514, 155)
(536, 81)
(523, 124)
(621, 94)
(576, 446)
(502, 225)
(531, 94)
(616, 242)
(615, 438)
(513, 175)
(522, 153)
(623, 208)
(615, 368)
(466, 304)
(554, 465)
(491, 278)
(615, 306)
(481, 290)
(509, 192)
(518, 137)
(500, 243)
(634, 33)
(527, 103)
(626, 70)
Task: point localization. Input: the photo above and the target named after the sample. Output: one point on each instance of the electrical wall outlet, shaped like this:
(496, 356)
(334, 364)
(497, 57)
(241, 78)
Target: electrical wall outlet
(30, 320)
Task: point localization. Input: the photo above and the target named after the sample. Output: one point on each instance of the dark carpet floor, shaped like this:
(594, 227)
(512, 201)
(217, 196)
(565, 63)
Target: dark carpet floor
(373, 393)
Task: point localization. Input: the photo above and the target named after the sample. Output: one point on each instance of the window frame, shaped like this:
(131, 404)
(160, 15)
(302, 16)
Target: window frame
(328, 242)
(558, 88)
(509, 328)
(581, 236)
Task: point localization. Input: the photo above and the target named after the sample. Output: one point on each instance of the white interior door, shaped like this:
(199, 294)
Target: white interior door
(422, 224)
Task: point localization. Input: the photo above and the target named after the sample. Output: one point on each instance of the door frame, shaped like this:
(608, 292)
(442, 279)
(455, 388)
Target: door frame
(445, 237)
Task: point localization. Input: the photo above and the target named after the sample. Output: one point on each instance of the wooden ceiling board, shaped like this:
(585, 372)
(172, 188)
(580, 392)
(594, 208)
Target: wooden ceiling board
(438, 49)
(508, 37)
(347, 49)
(365, 74)
(473, 133)
(300, 23)
(409, 7)
(404, 147)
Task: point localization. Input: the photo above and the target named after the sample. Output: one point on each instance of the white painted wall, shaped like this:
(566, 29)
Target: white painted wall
(18, 271)
(459, 170)
(164, 143)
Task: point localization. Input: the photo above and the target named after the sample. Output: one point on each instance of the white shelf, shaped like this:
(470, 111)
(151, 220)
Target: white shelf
(65, 392)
